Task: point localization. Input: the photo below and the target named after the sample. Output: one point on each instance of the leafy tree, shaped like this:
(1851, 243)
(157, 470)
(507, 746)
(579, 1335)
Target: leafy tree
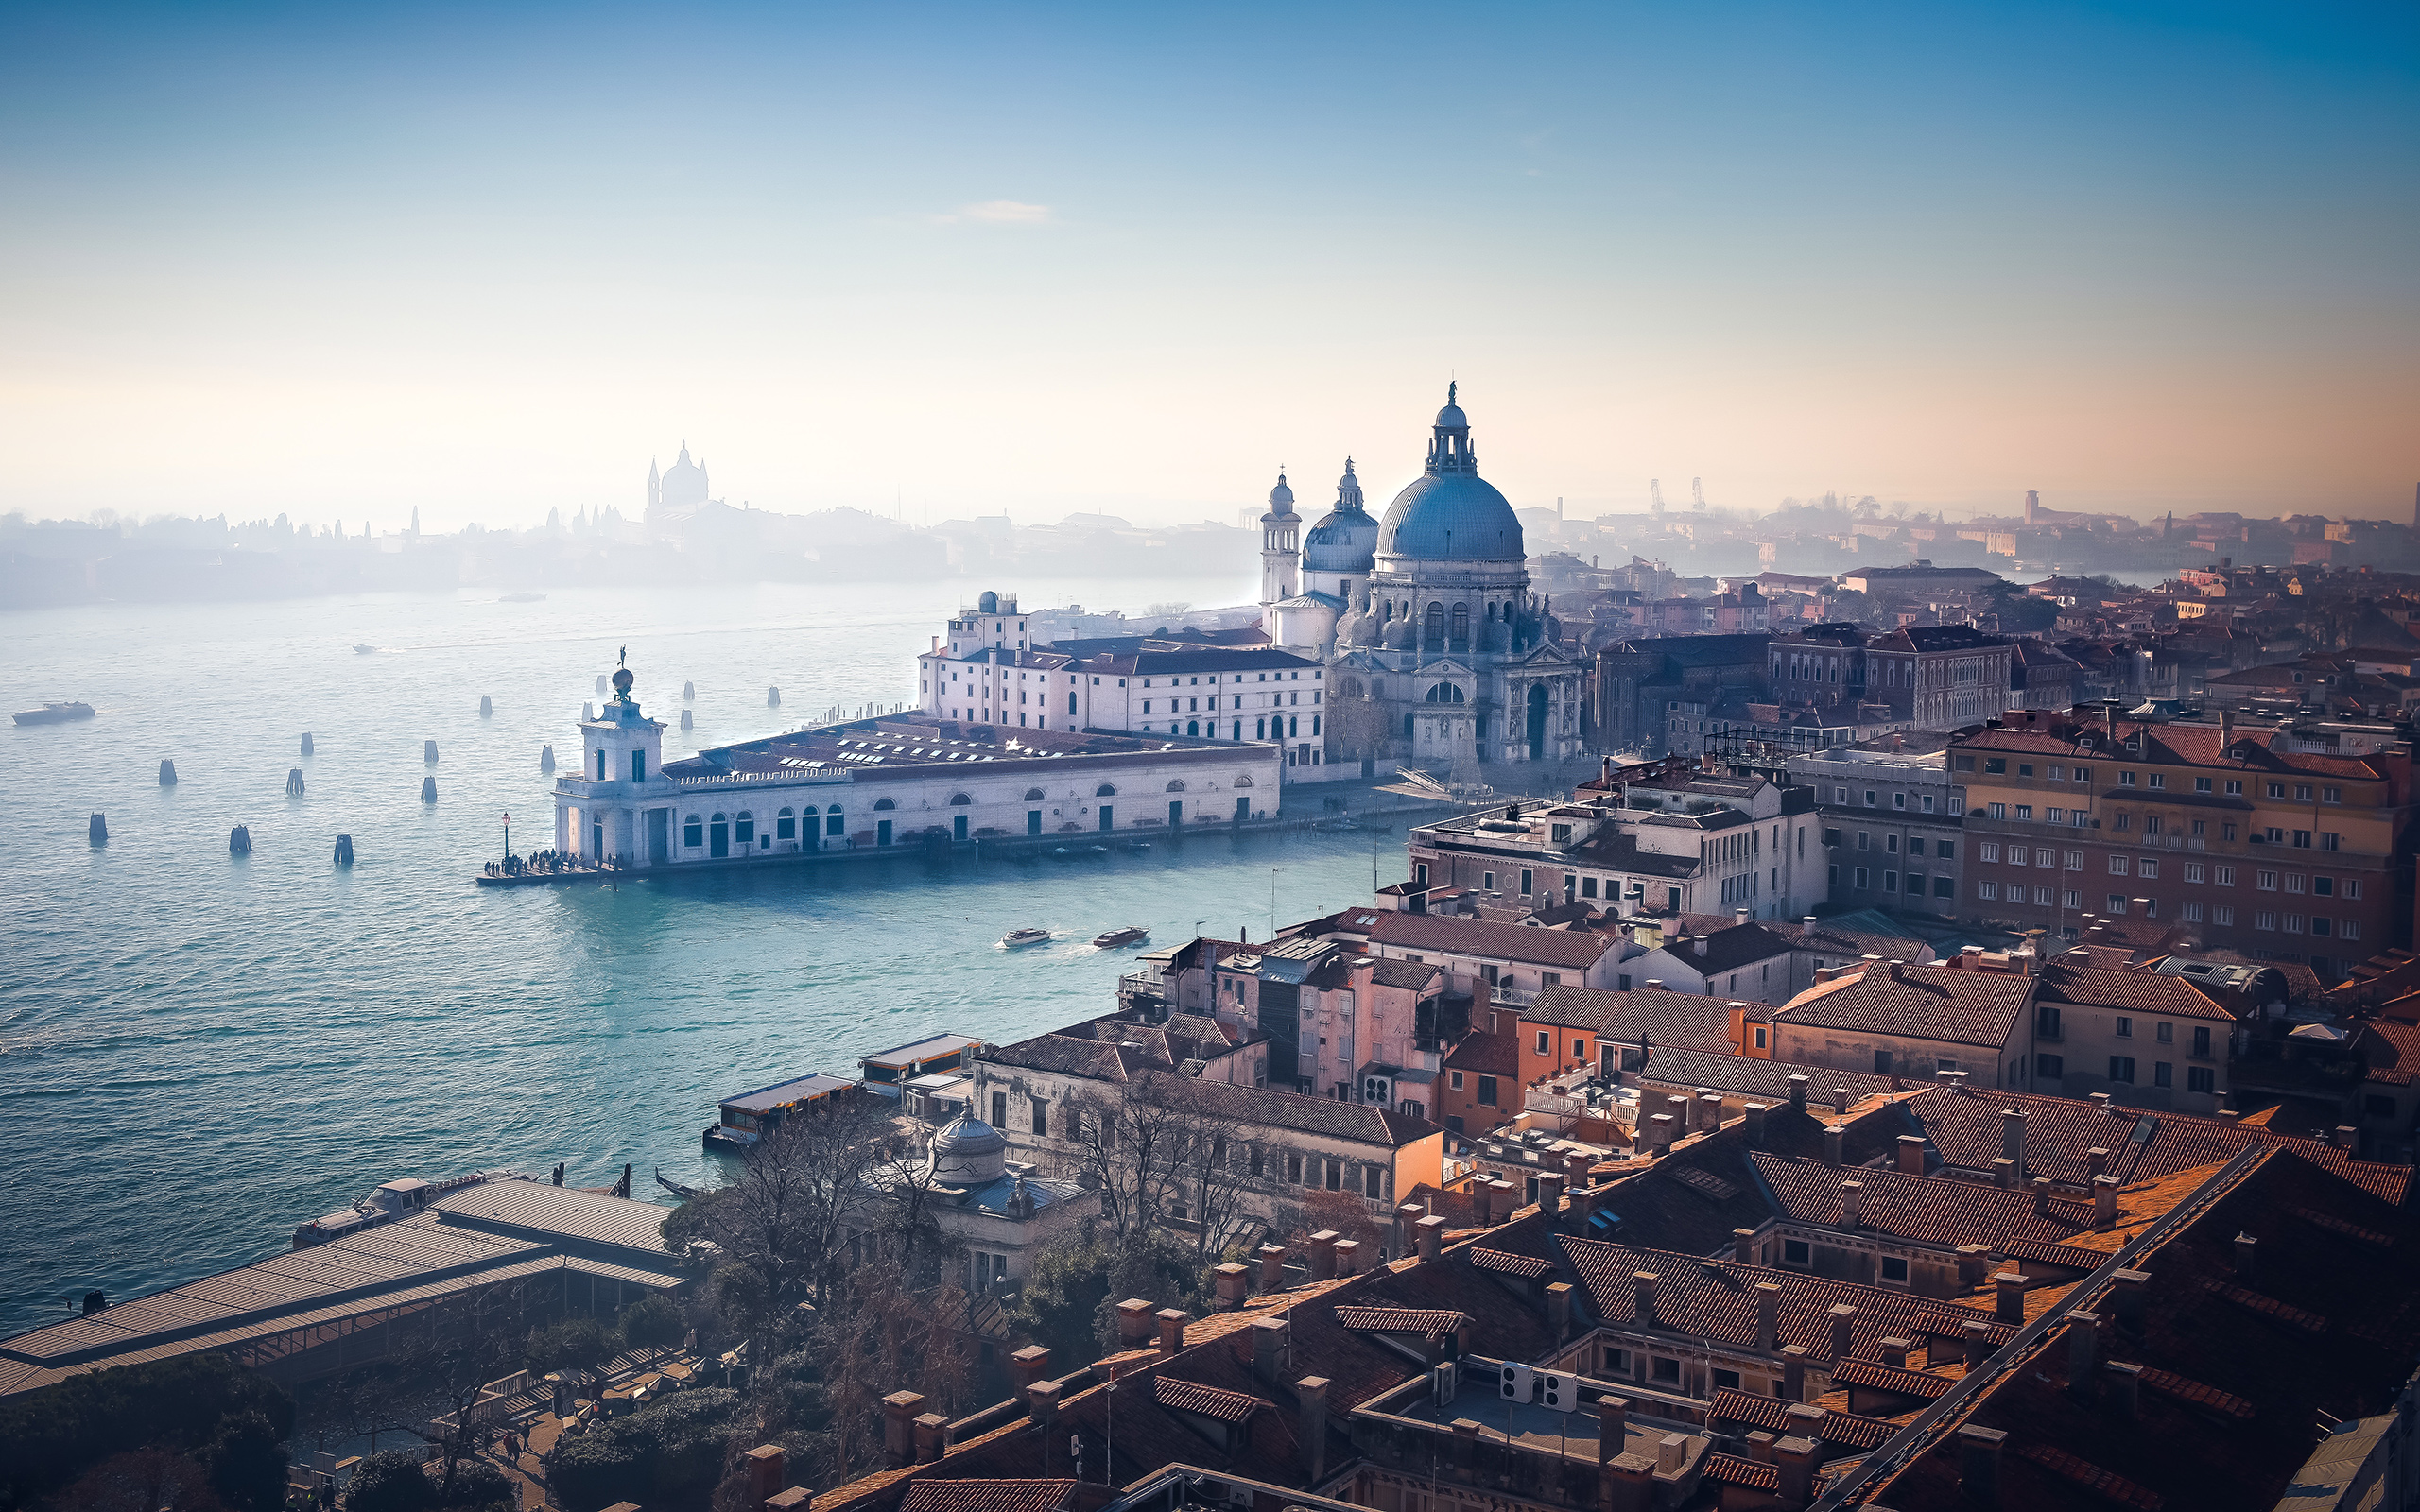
(672, 1450)
(479, 1486)
(247, 1463)
(653, 1321)
(574, 1343)
(389, 1481)
(50, 1437)
(141, 1480)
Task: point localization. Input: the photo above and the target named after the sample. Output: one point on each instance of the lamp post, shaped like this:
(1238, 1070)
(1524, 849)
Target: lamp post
(507, 839)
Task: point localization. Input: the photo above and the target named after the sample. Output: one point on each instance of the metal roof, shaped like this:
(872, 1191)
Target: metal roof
(921, 1050)
(787, 1093)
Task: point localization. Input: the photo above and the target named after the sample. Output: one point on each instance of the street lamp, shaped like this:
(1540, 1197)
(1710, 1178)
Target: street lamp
(507, 839)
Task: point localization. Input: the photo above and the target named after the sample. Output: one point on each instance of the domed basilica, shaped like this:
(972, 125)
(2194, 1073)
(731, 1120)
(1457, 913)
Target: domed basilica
(1440, 652)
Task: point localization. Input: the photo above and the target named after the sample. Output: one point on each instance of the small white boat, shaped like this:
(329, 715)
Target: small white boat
(365, 650)
(1114, 938)
(1019, 939)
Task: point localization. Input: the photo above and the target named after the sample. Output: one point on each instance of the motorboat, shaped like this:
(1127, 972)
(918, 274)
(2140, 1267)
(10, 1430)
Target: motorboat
(54, 714)
(365, 650)
(1114, 938)
(521, 599)
(1019, 939)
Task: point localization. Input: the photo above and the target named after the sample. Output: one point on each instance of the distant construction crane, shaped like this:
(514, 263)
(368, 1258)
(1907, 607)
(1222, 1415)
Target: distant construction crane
(1655, 494)
(1697, 494)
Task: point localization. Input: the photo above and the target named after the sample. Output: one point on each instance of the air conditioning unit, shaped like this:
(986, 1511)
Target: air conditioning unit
(1558, 1390)
(1441, 1384)
(1516, 1382)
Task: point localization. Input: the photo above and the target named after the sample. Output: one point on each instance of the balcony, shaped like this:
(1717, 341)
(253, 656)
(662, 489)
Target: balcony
(1506, 994)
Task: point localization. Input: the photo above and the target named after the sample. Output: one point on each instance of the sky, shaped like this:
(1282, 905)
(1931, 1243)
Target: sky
(340, 261)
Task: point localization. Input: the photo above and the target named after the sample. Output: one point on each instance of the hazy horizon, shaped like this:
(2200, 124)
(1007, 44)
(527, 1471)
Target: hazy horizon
(340, 263)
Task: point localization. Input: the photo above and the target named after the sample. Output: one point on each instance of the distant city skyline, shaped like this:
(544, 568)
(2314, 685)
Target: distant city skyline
(954, 262)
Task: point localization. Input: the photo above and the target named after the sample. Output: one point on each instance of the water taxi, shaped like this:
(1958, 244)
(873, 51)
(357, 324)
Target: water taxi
(54, 714)
(1130, 935)
(1019, 939)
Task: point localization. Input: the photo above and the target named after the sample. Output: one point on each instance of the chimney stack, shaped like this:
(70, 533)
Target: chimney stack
(931, 1430)
(1894, 1352)
(1795, 1458)
(2125, 1388)
(1743, 1247)
(2126, 1300)
(2004, 1174)
(2095, 1160)
(1272, 1267)
(1852, 1203)
(1042, 1405)
(1842, 1315)
(1406, 1215)
(1323, 1255)
(1682, 1111)
(1768, 1315)
(1798, 1093)
(2104, 1202)
(1133, 1323)
(1270, 1338)
(2041, 1196)
(1348, 1256)
(1431, 1238)
(1235, 1285)
(1973, 1261)
(1660, 1132)
(1977, 1339)
(1551, 1195)
(899, 1413)
(1310, 1400)
(2083, 1353)
(766, 1473)
(1643, 1296)
(1029, 1365)
(1840, 1102)
(1612, 1426)
(2013, 1139)
(1793, 1372)
(1911, 1154)
(2247, 1257)
(1835, 1137)
(1979, 1464)
(2010, 1305)
(1756, 1115)
(1173, 1321)
(1559, 1309)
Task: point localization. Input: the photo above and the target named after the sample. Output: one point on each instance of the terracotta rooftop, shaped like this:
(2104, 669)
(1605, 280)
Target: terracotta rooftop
(1936, 1003)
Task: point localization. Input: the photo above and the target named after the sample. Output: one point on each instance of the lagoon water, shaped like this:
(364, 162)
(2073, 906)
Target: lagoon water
(198, 1052)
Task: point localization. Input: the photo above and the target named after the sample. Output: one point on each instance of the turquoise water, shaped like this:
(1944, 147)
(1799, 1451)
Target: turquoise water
(197, 1052)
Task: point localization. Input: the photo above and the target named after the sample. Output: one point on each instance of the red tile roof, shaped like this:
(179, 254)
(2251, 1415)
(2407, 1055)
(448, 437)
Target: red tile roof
(1944, 1212)
(1427, 1322)
(1876, 1376)
(2145, 992)
(1210, 1401)
(1937, 1002)
(1730, 1469)
(1448, 935)
(988, 1496)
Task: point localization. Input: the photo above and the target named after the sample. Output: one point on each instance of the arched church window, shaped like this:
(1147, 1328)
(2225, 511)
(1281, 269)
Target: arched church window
(1462, 626)
(1176, 785)
(1434, 630)
(784, 825)
(884, 805)
(693, 830)
(1445, 693)
(718, 819)
(1243, 779)
(1033, 795)
(958, 800)
(1104, 791)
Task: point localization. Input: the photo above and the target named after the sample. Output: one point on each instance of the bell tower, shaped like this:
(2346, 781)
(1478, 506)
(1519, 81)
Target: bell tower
(1281, 531)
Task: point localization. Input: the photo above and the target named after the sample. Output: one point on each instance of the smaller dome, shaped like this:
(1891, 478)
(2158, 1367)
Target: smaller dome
(968, 1152)
(1281, 498)
(622, 681)
(1451, 417)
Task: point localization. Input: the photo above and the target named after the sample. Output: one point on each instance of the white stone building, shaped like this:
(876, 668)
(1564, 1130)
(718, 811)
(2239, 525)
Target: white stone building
(906, 778)
(1441, 654)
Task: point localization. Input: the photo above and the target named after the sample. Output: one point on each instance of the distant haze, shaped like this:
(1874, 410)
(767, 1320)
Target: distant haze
(340, 261)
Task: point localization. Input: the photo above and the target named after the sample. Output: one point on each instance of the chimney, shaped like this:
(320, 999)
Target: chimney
(2004, 1174)
(2125, 1388)
(899, 1411)
(1700, 943)
(1798, 1094)
(1795, 1457)
(1840, 1102)
(1793, 1372)
(1738, 917)
(1684, 1121)
(1743, 1247)
(1977, 1339)
(1756, 1115)
(1407, 1216)
(1029, 1365)
(2126, 1300)
(2041, 1196)
(2104, 1202)
(1660, 1132)
(1575, 1168)
(2012, 1138)
(1133, 1323)
(1974, 1260)
(1270, 1338)
(1643, 1296)
(1323, 1255)
(2348, 1138)
(766, 1473)
(1842, 1315)
(1042, 1405)
(932, 1429)
(1348, 1256)
(1852, 1203)
(1310, 1400)
(2095, 1160)
(2100, 1102)
(1709, 1110)
(2083, 1353)
(1272, 1267)
(1979, 1464)
(1834, 1138)
(1671, 1452)
(1234, 1284)
(1956, 1080)
(1626, 1483)
(1559, 1309)
(1551, 1195)
(1612, 1426)
(1655, 984)
(1768, 1315)
(2010, 1306)
(1482, 1195)
(1432, 1229)
(1760, 1447)
(1911, 1154)
(2247, 1257)
(1173, 1321)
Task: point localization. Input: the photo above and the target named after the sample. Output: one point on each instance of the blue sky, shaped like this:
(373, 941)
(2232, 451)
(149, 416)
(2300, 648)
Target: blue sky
(341, 260)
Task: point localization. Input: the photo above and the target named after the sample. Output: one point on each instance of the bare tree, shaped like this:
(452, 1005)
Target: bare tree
(1165, 1146)
(448, 1359)
(1210, 1152)
(804, 1188)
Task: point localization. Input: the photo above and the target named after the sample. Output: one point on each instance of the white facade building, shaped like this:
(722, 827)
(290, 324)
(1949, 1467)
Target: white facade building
(908, 779)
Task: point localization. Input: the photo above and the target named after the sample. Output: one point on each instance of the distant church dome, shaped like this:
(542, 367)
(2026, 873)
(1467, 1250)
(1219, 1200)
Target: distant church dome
(1346, 538)
(1281, 498)
(684, 482)
(1450, 513)
(969, 1153)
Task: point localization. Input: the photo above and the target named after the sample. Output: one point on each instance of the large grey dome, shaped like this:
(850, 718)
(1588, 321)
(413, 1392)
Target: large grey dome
(1453, 516)
(1346, 538)
(1450, 512)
